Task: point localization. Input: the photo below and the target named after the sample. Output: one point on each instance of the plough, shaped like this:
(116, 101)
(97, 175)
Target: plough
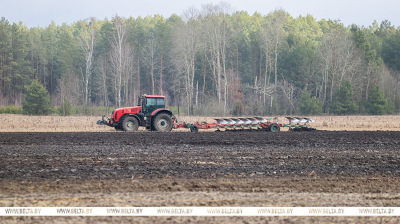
(250, 124)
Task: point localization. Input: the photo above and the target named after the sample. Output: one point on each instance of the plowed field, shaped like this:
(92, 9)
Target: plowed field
(318, 168)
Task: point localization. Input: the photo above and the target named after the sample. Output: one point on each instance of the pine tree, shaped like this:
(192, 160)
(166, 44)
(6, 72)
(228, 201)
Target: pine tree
(377, 104)
(308, 105)
(37, 101)
(344, 103)
(391, 50)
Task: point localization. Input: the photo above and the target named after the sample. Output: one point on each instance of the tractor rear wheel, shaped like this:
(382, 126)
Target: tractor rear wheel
(130, 124)
(162, 122)
(274, 127)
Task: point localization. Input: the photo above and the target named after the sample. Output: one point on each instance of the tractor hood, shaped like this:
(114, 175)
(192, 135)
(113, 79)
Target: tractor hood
(130, 110)
(117, 113)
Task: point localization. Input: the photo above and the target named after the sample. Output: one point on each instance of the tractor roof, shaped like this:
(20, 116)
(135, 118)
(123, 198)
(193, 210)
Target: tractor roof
(154, 96)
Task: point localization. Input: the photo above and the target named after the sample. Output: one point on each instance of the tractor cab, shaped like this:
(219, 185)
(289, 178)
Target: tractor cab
(150, 103)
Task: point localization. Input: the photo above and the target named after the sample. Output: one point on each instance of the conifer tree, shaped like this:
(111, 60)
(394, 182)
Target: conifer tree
(308, 105)
(344, 102)
(377, 104)
(37, 101)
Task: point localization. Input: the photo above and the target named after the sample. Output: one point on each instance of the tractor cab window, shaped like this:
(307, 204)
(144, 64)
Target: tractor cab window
(160, 103)
(151, 102)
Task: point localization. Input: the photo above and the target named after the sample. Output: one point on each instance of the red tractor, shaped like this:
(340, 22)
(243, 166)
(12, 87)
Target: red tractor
(150, 113)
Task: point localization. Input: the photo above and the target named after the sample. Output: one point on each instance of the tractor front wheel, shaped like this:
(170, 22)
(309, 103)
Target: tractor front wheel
(130, 124)
(162, 122)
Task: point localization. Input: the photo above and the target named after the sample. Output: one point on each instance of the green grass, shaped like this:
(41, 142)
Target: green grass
(11, 110)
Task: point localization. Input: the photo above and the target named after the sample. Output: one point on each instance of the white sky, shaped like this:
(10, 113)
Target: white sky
(42, 12)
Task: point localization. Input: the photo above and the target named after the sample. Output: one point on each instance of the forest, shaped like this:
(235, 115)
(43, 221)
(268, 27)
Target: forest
(208, 61)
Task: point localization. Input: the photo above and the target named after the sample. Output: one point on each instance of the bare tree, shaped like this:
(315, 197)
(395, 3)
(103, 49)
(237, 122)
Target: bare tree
(369, 78)
(266, 46)
(149, 56)
(216, 38)
(120, 57)
(389, 83)
(340, 60)
(273, 36)
(259, 88)
(186, 42)
(276, 34)
(288, 90)
(102, 80)
(69, 88)
(129, 72)
(87, 40)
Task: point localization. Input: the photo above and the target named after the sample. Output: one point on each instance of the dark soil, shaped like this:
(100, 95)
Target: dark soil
(52, 156)
(316, 162)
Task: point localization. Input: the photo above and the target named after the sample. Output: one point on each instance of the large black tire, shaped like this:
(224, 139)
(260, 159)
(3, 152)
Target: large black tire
(130, 124)
(274, 127)
(162, 122)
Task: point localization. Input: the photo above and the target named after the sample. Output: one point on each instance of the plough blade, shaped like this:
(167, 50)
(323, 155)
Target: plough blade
(238, 121)
(309, 120)
(230, 121)
(301, 120)
(262, 120)
(293, 120)
(254, 121)
(245, 120)
(221, 122)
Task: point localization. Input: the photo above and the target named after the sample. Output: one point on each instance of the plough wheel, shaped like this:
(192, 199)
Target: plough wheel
(274, 127)
(194, 128)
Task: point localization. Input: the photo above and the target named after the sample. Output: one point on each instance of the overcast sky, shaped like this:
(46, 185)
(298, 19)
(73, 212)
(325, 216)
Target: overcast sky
(42, 12)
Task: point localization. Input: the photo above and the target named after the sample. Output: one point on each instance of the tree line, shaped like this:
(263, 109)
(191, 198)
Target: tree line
(208, 61)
